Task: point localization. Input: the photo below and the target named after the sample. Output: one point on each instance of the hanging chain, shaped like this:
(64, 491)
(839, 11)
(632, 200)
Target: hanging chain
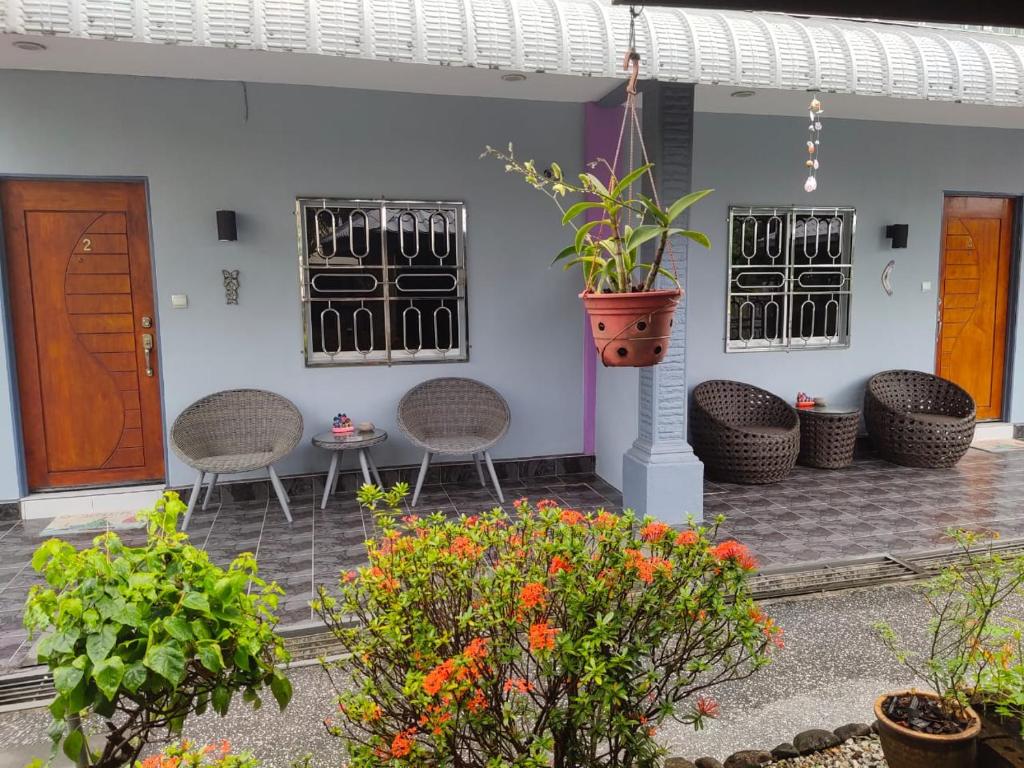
(631, 117)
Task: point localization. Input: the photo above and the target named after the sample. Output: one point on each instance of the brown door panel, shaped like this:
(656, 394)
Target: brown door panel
(80, 284)
(974, 291)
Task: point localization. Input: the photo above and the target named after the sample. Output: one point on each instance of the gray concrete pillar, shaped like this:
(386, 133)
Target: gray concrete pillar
(661, 476)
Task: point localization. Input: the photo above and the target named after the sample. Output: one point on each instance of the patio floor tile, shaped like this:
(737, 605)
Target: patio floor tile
(869, 508)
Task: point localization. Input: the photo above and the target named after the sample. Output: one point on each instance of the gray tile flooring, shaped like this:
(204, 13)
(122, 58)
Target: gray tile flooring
(869, 508)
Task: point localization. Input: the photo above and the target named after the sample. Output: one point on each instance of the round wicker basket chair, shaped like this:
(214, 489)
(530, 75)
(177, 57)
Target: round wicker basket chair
(743, 434)
(917, 419)
(454, 416)
(237, 430)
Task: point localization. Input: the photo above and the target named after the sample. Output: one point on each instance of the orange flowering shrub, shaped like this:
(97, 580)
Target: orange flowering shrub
(549, 637)
(188, 755)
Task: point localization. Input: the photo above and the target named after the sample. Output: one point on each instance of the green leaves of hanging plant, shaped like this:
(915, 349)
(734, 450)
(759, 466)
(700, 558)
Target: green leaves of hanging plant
(622, 220)
(685, 202)
(622, 185)
(575, 210)
(648, 232)
(641, 235)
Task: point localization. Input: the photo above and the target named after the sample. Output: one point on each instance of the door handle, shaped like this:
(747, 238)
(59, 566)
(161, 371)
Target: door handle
(147, 350)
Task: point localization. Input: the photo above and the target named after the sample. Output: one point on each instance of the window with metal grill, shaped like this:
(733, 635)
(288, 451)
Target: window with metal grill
(382, 281)
(790, 271)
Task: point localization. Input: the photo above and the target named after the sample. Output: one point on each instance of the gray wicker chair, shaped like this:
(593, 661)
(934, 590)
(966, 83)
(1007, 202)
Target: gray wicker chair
(455, 417)
(917, 419)
(743, 434)
(238, 430)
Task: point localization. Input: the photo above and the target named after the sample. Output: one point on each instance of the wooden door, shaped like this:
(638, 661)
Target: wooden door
(974, 296)
(81, 294)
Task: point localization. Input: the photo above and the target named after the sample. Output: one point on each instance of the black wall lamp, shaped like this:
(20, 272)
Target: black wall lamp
(227, 226)
(898, 233)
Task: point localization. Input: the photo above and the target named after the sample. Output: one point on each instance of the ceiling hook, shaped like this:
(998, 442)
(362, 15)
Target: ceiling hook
(632, 61)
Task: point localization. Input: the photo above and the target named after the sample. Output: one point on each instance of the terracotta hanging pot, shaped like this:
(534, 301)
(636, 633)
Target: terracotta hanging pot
(631, 329)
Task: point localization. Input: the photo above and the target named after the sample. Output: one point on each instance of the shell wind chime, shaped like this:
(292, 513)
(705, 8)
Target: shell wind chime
(814, 111)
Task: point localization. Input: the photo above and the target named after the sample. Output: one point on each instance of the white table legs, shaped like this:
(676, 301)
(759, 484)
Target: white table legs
(365, 465)
(370, 474)
(373, 467)
(332, 475)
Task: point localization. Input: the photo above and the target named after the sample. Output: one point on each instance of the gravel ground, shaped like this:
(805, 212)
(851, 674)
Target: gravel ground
(829, 674)
(856, 753)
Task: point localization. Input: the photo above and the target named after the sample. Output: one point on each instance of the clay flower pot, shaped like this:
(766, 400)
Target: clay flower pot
(631, 329)
(906, 748)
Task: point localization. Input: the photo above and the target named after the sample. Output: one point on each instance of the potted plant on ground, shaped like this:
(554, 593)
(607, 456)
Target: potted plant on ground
(546, 638)
(938, 728)
(143, 637)
(630, 315)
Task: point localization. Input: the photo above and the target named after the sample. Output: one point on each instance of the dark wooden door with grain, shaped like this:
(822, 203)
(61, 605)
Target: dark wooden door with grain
(81, 294)
(975, 288)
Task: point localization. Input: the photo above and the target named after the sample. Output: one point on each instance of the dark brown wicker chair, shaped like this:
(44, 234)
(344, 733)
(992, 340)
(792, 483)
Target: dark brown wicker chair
(743, 434)
(917, 419)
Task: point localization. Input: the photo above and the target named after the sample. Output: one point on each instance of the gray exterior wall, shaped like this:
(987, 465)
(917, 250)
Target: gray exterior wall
(892, 173)
(618, 419)
(189, 140)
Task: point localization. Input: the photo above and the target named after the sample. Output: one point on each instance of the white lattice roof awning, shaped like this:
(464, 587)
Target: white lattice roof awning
(568, 37)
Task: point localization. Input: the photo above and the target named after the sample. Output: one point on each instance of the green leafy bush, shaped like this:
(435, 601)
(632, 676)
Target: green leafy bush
(549, 638)
(971, 651)
(145, 636)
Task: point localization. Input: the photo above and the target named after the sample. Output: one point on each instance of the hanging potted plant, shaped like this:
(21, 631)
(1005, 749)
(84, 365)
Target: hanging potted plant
(630, 316)
(938, 728)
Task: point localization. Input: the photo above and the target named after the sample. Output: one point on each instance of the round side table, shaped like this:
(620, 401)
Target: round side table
(361, 442)
(828, 436)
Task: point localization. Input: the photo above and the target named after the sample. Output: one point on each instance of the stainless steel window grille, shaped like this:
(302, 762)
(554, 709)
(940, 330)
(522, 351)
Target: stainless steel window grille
(382, 282)
(789, 281)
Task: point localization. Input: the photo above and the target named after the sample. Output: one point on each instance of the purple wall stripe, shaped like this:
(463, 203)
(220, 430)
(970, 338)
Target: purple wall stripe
(601, 133)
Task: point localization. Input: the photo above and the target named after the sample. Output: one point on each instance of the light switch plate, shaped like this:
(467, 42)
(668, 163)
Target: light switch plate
(179, 301)
(926, 286)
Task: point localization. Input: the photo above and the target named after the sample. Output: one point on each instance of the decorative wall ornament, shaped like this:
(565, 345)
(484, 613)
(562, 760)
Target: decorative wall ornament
(887, 277)
(814, 111)
(230, 285)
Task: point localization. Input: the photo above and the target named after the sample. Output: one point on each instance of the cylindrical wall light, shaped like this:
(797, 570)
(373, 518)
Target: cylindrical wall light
(227, 226)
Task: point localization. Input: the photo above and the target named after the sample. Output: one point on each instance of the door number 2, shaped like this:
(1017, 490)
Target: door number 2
(86, 245)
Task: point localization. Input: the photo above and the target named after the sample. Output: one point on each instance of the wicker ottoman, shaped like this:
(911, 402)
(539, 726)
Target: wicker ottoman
(828, 436)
